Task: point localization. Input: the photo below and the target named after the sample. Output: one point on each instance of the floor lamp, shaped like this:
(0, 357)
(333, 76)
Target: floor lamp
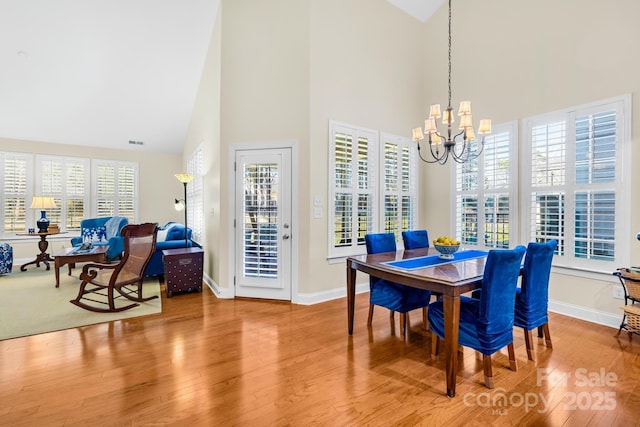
(184, 178)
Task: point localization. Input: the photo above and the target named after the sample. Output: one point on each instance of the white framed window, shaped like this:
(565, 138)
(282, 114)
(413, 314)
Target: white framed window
(486, 199)
(576, 183)
(195, 194)
(115, 189)
(399, 189)
(353, 160)
(66, 179)
(16, 175)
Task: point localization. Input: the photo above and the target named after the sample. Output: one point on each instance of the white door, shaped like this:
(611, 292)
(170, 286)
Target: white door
(263, 223)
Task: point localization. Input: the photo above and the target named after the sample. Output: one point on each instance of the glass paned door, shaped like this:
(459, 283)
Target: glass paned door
(263, 238)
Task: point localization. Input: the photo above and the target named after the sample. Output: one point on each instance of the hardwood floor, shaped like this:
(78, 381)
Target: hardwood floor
(211, 362)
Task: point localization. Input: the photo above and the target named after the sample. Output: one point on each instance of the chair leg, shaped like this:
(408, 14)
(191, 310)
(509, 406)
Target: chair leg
(528, 339)
(624, 318)
(488, 373)
(547, 335)
(513, 364)
(539, 331)
(435, 341)
(370, 319)
(425, 321)
(403, 324)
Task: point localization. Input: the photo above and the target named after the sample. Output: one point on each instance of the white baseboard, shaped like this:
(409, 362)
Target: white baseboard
(566, 309)
(223, 293)
(585, 313)
(318, 297)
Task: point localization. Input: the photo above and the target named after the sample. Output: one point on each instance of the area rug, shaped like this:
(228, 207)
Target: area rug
(31, 304)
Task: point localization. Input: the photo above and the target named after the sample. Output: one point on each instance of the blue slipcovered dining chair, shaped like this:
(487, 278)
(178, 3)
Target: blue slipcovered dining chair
(486, 324)
(532, 298)
(391, 295)
(415, 239)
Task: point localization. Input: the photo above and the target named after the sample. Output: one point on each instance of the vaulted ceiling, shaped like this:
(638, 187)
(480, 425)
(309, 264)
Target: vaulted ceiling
(109, 73)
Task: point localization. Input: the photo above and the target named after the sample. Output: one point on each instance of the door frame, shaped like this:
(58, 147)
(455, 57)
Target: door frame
(294, 230)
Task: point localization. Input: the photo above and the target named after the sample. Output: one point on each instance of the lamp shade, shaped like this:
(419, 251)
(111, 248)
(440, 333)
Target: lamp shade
(42, 202)
(184, 178)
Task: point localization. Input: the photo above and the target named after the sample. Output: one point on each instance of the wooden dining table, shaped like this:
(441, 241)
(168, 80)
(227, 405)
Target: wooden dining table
(451, 279)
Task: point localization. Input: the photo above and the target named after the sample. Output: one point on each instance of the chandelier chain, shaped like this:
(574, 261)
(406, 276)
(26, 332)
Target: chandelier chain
(449, 54)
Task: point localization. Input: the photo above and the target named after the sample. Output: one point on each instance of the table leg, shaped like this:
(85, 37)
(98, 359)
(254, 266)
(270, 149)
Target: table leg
(56, 268)
(351, 295)
(451, 324)
(43, 256)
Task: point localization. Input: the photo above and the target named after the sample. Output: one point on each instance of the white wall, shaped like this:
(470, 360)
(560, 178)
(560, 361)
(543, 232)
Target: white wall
(264, 92)
(204, 131)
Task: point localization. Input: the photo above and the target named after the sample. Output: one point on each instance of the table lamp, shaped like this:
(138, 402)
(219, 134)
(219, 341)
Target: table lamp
(43, 203)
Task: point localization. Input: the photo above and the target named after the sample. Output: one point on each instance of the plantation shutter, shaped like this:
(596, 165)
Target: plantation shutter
(497, 180)
(485, 191)
(352, 205)
(65, 179)
(595, 196)
(399, 190)
(116, 188)
(15, 196)
(548, 146)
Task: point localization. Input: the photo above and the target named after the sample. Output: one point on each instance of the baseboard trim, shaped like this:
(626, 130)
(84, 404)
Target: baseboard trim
(584, 313)
(222, 293)
(318, 297)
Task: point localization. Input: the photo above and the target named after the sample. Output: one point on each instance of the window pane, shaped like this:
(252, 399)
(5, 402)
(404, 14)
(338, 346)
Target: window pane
(365, 217)
(548, 218)
(14, 193)
(467, 176)
(496, 227)
(596, 148)
(363, 164)
(391, 210)
(343, 156)
(496, 162)
(467, 208)
(595, 225)
(548, 154)
(343, 235)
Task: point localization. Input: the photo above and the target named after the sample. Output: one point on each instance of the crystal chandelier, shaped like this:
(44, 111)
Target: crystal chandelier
(458, 145)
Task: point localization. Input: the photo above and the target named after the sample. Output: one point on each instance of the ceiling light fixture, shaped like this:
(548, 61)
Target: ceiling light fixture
(435, 138)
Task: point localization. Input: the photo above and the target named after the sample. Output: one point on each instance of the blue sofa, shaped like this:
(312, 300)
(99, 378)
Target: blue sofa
(170, 236)
(103, 231)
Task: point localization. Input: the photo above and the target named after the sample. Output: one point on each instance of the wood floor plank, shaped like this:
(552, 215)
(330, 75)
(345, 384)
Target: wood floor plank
(205, 361)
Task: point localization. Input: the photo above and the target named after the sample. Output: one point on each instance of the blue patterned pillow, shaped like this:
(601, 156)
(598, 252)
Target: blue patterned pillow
(101, 233)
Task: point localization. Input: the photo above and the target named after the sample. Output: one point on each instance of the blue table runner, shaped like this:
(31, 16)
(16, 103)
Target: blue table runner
(433, 260)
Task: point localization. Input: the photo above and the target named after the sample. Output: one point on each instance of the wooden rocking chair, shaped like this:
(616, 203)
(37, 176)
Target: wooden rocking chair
(126, 277)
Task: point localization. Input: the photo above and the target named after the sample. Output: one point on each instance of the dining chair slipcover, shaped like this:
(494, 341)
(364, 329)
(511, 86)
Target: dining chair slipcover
(532, 297)
(415, 239)
(391, 295)
(486, 324)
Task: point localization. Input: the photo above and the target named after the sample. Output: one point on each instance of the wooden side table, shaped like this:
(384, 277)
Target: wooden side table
(183, 269)
(43, 245)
